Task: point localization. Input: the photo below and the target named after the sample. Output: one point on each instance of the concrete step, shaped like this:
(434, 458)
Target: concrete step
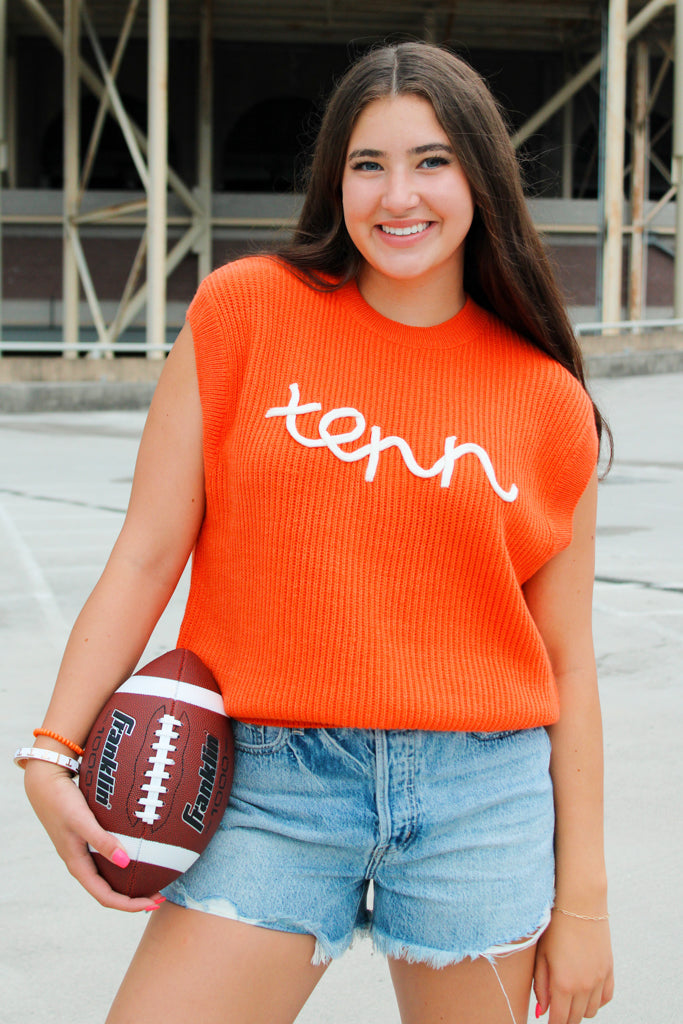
(53, 383)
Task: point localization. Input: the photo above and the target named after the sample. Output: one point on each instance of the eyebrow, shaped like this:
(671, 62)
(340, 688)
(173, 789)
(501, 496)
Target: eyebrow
(430, 147)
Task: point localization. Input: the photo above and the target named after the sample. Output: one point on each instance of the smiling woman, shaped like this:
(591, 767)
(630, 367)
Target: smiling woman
(385, 610)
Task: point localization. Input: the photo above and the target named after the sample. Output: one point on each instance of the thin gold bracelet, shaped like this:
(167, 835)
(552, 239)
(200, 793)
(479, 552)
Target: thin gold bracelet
(581, 917)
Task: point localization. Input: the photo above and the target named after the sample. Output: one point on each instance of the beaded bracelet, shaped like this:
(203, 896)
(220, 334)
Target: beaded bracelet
(78, 751)
(582, 917)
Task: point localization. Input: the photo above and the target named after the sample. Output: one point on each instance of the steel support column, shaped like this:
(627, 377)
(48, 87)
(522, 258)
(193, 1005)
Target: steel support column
(639, 182)
(614, 160)
(70, 279)
(158, 176)
(678, 160)
(205, 138)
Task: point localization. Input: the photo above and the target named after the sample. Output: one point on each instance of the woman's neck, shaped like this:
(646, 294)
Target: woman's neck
(422, 302)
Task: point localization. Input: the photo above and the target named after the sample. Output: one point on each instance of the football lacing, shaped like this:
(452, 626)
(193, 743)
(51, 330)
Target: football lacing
(152, 801)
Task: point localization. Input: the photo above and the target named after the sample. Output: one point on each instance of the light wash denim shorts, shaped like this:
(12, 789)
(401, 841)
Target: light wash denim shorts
(454, 829)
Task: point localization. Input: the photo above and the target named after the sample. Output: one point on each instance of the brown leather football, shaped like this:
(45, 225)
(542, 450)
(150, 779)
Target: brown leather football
(157, 770)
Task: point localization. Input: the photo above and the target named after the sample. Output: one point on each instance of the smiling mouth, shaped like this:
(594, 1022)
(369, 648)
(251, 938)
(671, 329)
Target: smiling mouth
(413, 229)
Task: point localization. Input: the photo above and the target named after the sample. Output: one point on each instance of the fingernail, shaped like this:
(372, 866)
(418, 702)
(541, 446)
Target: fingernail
(120, 858)
(539, 1011)
(155, 904)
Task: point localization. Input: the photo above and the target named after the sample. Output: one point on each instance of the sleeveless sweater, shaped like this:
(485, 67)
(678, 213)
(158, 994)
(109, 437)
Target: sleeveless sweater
(376, 497)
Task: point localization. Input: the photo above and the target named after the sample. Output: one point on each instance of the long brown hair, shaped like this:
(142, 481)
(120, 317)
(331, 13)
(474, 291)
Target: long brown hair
(507, 269)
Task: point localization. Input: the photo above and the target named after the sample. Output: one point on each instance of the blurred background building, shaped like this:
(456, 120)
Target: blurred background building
(143, 142)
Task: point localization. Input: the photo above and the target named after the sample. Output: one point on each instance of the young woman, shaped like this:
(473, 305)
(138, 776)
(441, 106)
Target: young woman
(380, 449)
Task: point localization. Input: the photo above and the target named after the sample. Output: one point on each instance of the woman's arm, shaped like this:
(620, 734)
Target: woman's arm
(164, 516)
(574, 962)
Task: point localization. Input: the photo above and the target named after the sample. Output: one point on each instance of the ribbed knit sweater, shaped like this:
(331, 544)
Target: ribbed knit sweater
(376, 495)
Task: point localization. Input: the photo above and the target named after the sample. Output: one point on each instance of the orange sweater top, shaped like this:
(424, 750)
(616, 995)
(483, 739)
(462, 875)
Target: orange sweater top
(376, 495)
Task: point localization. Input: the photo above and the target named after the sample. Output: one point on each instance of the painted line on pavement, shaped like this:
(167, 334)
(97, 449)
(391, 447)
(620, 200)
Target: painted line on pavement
(39, 588)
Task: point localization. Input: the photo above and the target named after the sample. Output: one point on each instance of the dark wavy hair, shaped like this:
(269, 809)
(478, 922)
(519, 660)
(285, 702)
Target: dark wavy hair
(507, 269)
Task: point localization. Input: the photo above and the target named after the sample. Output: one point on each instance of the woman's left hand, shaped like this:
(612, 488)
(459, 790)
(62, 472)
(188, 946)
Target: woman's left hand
(573, 975)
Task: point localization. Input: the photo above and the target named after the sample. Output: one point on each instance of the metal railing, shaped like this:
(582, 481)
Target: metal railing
(622, 326)
(96, 348)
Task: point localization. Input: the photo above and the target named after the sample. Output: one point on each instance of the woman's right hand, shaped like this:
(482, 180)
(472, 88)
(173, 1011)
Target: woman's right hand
(71, 825)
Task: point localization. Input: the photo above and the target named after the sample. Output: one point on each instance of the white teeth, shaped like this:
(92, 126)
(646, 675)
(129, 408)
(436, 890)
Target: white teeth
(414, 229)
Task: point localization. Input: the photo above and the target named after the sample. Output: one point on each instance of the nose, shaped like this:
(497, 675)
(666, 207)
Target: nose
(400, 194)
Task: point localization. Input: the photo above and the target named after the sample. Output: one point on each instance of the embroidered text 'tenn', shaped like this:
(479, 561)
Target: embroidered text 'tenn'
(443, 466)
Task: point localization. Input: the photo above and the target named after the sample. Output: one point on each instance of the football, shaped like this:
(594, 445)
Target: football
(157, 770)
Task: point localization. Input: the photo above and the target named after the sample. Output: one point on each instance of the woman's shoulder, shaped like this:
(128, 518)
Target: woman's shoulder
(552, 408)
(535, 370)
(247, 278)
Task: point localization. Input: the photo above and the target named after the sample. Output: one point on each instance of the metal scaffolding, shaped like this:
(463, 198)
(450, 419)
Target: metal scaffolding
(148, 152)
(620, 33)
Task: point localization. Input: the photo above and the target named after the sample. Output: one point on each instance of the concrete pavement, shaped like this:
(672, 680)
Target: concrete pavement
(64, 481)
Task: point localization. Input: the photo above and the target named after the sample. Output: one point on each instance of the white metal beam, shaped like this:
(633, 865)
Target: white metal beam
(86, 278)
(70, 279)
(117, 324)
(615, 123)
(174, 258)
(157, 106)
(639, 181)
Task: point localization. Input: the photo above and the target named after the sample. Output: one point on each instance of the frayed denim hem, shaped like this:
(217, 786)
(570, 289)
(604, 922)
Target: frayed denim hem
(412, 954)
(438, 958)
(324, 952)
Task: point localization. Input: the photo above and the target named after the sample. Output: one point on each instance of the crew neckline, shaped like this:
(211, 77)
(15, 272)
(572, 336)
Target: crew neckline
(458, 330)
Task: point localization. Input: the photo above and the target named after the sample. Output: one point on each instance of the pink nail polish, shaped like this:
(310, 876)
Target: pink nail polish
(120, 858)
(538, 1010)
(151, 907)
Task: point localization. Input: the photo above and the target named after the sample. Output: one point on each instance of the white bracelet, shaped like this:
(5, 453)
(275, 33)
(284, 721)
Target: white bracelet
(40, 754)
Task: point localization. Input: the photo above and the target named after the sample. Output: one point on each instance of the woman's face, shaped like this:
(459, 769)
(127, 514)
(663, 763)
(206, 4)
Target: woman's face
(407, 203)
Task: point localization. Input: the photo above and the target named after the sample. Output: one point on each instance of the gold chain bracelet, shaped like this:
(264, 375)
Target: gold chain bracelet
(582, 917)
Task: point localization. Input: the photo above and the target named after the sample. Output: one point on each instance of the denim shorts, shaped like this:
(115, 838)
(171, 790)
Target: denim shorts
(453, 829)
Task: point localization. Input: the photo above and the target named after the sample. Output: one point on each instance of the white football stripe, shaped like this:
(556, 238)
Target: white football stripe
(163, 855)
(174, 689)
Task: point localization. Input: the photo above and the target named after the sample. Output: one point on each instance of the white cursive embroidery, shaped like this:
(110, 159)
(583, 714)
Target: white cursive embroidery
(443, 466)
